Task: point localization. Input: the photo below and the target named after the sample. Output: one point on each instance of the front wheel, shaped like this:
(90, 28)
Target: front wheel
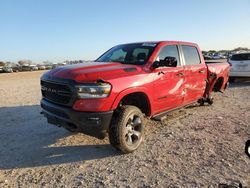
(126, 132)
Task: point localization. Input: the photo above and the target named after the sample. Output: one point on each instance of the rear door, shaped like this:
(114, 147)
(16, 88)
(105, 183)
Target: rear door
(169, 81)
(195, 74)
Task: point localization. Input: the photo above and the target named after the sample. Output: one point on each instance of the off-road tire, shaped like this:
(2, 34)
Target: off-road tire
(120, 129)
(210, 100)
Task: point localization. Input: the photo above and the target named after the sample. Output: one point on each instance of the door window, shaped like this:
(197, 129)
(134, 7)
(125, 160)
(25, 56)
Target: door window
(169, 51)
(191, 55)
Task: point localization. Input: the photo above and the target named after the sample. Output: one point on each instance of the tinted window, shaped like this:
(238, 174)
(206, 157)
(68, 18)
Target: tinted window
(137, 53)
(169, 51)
(118, 55)
(240, 57)
(191, 55)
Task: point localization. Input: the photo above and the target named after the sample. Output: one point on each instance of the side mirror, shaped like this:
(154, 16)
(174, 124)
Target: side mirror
(156, 64)
(170, 61)
(167, 62)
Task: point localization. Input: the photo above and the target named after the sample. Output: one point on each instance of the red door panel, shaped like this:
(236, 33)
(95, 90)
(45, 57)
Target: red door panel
(195, 82)
(168, 88)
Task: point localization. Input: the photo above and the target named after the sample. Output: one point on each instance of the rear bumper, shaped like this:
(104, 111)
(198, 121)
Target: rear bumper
(91, 123)
(239, 74)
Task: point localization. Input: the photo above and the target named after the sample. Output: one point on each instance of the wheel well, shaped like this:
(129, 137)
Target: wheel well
(218, 84)
(139, 100)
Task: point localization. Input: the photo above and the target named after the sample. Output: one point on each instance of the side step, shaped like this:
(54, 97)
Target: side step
(160, 117)
(163, 115)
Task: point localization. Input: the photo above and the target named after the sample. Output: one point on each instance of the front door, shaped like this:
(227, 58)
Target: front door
(169, 81)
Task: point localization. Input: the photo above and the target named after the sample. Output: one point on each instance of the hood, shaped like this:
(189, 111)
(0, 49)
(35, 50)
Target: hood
(92, 71)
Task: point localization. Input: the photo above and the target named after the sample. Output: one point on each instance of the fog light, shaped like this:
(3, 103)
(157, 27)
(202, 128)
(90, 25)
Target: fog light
(94, 118)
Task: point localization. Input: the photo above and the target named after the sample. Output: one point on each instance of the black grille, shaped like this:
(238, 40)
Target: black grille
(55, 111)
(56, 92)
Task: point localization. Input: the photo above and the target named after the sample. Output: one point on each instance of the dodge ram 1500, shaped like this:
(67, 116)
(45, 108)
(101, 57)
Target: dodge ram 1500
(113, 94)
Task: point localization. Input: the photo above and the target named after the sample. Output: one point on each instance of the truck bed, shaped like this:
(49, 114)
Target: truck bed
(218, 70)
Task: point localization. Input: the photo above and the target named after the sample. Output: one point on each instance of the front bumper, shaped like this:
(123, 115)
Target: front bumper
(91, 123)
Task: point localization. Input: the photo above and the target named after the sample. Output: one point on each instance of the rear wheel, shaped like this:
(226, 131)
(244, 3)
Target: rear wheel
(126, 131)
(201, 102)
(210, 100)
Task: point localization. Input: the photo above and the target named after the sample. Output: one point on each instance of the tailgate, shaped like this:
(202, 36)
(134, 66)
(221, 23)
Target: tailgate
(240, 66)
(240, 62)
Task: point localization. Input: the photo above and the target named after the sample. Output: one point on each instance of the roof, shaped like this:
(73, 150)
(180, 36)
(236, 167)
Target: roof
(180, 42)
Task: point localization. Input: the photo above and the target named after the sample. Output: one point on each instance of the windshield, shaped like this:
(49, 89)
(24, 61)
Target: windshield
(137, 53)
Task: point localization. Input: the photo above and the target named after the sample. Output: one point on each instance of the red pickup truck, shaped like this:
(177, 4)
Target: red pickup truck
(113, 94)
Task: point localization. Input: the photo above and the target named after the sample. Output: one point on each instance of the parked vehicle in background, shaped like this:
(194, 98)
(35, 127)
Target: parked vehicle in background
(56, 65)
(240, 66)
(33, 68)
(61, 64)
(218, 56)
(7, 69)
(207, 57)
(41, 67)
(113, 94)
(1, 69)
(15, 68)
(48, 67)
(25, 67)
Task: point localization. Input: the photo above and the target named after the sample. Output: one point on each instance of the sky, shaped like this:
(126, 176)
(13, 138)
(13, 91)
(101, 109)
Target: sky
(58, 30)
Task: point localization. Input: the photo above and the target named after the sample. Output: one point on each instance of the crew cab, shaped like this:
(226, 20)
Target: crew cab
(113, 94)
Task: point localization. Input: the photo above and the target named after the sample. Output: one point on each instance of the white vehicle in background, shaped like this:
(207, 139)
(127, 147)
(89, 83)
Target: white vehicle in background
(240, 66)
(41, 67)
(7, 69)
(1, 68)
(33, 68)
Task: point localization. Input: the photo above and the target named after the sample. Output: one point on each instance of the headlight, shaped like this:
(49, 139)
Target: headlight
(93, 91)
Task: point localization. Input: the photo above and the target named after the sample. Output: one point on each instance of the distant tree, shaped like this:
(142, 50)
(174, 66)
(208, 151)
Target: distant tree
(47, 62)
(2, 63)
(223, 51)
(241, 48)
(211, 51)
(23, 62)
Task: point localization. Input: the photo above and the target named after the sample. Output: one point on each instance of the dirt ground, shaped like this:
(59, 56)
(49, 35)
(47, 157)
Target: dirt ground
(200, 146)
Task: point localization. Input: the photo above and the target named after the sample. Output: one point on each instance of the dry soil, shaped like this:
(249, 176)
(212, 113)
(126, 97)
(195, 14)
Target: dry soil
(199, 146)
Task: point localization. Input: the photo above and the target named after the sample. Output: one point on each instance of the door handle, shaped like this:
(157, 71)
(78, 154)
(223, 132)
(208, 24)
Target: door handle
(180, 74)
(201, 71)
(161, 72)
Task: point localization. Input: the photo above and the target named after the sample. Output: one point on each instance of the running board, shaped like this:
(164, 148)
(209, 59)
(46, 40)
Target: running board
(163, 115)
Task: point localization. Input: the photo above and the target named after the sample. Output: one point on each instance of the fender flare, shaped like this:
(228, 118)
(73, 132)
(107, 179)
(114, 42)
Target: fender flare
(130, 91)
